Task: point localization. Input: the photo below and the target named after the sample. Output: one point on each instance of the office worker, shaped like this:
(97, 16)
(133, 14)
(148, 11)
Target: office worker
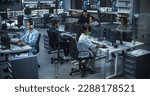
(30, 37)
(124, 26)
(84, 17)
(60, 39)
(85, 44)
(92, 21)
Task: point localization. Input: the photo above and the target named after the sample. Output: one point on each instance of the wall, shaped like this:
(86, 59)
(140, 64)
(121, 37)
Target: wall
(67, 5)
(144, 6)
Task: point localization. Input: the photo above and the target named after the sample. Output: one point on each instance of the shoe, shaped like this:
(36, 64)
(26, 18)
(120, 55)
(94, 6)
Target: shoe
(91, 71)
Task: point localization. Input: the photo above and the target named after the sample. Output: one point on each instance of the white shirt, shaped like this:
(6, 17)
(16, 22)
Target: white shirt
(85, 44)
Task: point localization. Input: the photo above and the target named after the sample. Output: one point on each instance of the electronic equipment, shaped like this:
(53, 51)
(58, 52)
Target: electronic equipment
(27, 11)
(110, 36)
(5, 41)
(124, 36)
(97, 32)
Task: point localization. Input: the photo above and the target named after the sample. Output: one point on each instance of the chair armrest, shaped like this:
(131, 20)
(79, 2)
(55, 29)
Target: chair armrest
(85, 53)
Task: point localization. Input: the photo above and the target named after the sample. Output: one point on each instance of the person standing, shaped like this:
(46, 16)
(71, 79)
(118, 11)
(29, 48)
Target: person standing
(84, 17)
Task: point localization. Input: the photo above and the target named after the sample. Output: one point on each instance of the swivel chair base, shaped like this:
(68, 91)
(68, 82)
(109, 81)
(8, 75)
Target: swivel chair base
(80, 70)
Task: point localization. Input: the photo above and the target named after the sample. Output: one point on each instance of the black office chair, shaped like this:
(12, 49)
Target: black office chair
(77, 29)
(55, 46)
(63, 18)
(20, 20)
(46, 19)
(74, 53)
(37, 48)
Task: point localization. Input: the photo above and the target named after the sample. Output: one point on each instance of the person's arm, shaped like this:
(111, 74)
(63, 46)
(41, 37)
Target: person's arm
(24, 36)
(32, 41)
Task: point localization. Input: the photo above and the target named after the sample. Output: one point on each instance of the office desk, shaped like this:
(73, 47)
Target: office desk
(110, 49)
(15, 50)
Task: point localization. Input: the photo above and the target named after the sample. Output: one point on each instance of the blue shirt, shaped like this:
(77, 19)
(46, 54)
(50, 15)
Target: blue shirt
(30, 37)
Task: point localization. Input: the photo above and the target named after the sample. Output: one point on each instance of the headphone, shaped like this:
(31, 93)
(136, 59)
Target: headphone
(32, 26)
(31, 23)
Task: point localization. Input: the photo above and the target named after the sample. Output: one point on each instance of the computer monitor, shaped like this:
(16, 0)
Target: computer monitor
(110, 36)
(27, 11)
(126, 36)
(97, 32)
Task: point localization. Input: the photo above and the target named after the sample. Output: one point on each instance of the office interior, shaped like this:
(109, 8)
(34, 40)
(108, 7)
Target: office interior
(130, 61)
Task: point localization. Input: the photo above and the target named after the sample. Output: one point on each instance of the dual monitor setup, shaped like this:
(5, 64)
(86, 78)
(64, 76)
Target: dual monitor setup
(111, 35)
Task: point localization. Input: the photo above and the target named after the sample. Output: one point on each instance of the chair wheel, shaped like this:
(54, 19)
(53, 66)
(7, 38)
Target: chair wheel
(70, 74)
(72, 69)
(39, 66)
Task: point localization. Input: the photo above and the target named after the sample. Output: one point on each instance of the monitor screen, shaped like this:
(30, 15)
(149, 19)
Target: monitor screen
(126, 36)
(97, 32)
(110, 36)
(27, 11)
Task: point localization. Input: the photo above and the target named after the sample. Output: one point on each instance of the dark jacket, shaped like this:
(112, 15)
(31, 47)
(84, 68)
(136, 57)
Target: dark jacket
(58, 36)
(83, 19)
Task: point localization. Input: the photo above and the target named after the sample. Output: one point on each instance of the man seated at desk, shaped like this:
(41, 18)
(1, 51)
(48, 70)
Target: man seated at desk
(84, 44)
(30, 37)
(60, 39)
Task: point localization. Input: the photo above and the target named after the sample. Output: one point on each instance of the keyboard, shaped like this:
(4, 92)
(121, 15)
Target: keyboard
(16, 43)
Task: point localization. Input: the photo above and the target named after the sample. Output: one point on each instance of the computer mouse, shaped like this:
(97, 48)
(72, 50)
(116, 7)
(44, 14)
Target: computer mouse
(115, 46)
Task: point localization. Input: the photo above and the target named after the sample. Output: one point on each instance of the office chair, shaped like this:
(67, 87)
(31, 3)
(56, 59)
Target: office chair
(55, 46)
(20, 21)
(37, 48)
(63, 18)
(46, 19)
(77, 29)
(74, 53)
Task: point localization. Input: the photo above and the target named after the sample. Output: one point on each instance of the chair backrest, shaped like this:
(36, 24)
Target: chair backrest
(20, 20)
(78, 30)
(46, 17)
(52, 40)
(73, 48)
(37, 48)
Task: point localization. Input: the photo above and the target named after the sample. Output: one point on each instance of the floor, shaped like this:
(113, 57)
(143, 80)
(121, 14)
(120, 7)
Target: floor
(47, 70)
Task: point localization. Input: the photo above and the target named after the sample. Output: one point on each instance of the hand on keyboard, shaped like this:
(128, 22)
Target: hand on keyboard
(22, 43)
(103, 46)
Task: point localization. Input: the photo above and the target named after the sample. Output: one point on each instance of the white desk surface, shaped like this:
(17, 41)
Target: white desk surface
(16, 49)
(110, 49)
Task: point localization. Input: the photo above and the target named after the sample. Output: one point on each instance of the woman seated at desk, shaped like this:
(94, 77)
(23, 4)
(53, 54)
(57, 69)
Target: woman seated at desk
(84, 44)
(92, 21)
(123, 29)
